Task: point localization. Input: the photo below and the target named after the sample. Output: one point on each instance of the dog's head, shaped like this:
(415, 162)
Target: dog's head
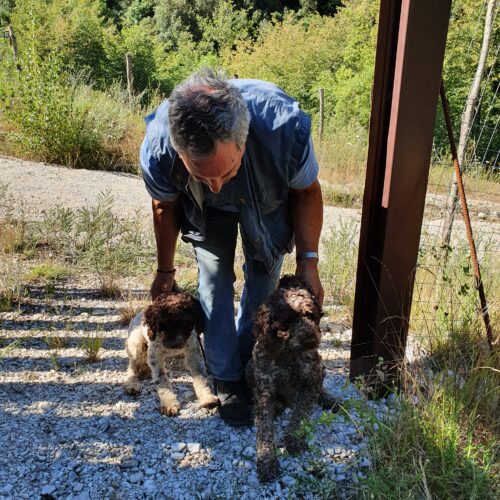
(172, 317)
(290, 318)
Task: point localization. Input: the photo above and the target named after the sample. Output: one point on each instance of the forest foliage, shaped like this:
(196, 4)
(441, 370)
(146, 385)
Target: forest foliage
(71, 55)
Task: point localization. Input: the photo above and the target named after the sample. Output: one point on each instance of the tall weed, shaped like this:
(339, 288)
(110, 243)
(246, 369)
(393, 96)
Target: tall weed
(338, 267)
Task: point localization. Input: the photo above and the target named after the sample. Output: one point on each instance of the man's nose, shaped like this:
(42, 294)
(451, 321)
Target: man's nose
(215, 185)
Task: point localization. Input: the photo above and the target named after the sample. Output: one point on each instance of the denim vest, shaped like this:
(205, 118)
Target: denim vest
(278, 134)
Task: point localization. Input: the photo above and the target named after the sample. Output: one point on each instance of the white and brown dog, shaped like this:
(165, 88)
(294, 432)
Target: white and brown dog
(167, 328)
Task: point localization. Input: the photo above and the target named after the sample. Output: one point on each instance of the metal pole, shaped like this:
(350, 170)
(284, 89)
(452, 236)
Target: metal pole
(465, 214)
(410, 53)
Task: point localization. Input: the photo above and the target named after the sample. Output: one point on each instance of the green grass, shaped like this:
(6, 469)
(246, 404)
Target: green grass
(341, 196)
(7, 348)
(91, 345)
(47, 271)
(436, 446)
(338, 267)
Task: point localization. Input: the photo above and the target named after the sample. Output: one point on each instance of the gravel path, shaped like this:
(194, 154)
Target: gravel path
(67, 428)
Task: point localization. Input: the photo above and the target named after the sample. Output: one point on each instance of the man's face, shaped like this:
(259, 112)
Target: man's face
(217, 169)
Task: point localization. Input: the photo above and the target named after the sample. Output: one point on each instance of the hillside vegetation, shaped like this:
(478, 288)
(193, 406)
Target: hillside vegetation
(67, 102)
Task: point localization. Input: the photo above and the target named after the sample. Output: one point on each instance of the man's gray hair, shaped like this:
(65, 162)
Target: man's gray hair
(205, 109)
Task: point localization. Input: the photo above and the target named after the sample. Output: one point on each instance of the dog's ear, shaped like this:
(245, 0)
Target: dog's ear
(261, 322)
(150, 319)
(151, 334)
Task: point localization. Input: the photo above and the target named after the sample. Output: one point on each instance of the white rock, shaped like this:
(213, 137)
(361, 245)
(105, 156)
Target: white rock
(194, 447)
(176, 447)
(177, 455)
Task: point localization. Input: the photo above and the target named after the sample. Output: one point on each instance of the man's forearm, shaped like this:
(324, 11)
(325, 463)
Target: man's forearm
(167, 222)
(307, 217)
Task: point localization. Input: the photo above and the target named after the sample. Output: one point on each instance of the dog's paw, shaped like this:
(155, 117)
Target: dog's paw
(132, 387)
(267, 469)
(209, 401)
(171, 410)
(294, 444)
(328, 402)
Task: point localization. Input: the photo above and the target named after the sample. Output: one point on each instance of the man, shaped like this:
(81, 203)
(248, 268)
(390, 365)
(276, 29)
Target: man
(218, 154)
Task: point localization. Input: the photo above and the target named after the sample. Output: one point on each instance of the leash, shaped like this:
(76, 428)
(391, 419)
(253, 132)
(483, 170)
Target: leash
(198, 336)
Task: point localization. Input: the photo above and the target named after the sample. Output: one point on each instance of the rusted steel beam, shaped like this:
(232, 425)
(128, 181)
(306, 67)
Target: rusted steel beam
(409, 59)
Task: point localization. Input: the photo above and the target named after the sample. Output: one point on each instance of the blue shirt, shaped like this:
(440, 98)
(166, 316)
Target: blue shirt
(278, 157)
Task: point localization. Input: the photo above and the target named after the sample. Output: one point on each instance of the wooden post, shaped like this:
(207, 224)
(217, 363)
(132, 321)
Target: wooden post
(13, 44)
(321, 112)
(130, 76)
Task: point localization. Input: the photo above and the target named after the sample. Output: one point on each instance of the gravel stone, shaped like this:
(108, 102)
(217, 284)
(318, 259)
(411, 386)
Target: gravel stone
(193, 447)
(48, 489)
(137, 477)
(176, 447)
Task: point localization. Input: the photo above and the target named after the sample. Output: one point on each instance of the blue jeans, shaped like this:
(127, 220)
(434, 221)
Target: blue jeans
(228, 344)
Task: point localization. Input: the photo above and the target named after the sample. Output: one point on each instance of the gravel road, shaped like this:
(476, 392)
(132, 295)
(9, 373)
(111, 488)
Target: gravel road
(41, 186)
(67, 430)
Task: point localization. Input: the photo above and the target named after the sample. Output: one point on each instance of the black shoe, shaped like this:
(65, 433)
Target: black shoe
(233, 407)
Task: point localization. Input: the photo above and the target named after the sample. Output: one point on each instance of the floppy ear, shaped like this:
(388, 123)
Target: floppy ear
(151, 334)
(261, 323)
(150, 320)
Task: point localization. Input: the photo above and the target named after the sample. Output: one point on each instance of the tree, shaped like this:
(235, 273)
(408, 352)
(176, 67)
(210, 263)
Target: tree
(467, 118)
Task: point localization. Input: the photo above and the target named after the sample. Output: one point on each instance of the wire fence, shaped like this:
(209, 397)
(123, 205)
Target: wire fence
(445, 298)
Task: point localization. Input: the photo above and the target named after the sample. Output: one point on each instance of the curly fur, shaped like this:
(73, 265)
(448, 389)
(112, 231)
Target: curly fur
(286, 368)
(163, 330)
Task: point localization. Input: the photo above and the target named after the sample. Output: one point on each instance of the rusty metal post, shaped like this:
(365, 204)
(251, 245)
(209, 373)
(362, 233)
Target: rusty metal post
(410, 53)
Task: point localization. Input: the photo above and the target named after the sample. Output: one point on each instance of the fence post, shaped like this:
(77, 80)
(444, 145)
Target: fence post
(321, 112)
(13, 44)
(130, 76)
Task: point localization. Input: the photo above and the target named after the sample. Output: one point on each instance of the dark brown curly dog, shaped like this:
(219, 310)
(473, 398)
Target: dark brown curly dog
(286, 368)
(165, 329)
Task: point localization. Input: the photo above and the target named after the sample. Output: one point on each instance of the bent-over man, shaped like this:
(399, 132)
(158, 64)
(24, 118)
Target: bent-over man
(221, 154)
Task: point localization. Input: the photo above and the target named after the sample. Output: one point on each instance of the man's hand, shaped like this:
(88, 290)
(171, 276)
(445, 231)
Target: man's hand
(308, 271)
(162, 283)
